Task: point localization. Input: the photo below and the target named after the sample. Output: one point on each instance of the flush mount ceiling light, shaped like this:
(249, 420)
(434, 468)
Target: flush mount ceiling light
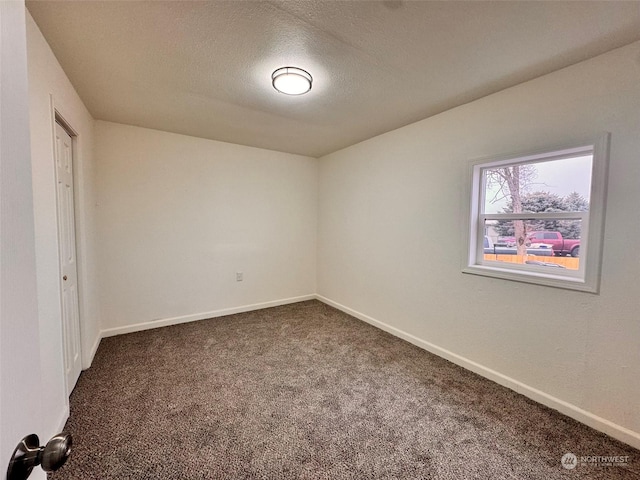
(291, 80)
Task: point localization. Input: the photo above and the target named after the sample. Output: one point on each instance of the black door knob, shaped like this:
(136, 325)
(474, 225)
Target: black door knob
(56, 452)
(29, 454)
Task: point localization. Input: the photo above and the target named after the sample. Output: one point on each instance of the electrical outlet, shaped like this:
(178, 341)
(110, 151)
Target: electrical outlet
(239, 276)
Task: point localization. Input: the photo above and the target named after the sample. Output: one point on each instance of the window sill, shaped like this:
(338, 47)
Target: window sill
(534, 277)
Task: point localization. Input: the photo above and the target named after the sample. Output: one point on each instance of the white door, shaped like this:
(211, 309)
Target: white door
(20, 385)
(69, 272)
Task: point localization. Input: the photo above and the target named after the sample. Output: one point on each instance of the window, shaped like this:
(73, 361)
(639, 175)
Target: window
(539, 218)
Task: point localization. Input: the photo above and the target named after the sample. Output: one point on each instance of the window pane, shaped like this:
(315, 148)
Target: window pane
(555, 249)
(550, 186)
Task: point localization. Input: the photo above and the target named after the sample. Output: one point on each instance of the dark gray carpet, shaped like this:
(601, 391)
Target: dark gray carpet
(304, 391)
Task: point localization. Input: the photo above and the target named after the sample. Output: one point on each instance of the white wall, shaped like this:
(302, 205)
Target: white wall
(165, 221)
(178, 216)
(390, 243)
(48, 82)
(20, 379)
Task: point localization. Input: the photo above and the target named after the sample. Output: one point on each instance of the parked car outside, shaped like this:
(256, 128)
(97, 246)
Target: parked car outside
(561, 246)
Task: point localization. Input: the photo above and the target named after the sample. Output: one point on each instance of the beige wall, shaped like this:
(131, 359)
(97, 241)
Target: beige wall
(178, 216)
(47, 83)
(390, 245)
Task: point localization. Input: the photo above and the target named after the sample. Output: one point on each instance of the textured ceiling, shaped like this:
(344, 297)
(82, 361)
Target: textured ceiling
(204, 68)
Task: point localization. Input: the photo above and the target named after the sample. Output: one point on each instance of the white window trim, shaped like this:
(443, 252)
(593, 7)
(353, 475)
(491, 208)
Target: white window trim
(587, 278)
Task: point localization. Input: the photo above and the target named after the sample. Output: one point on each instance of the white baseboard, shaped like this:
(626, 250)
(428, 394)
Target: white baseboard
(602, 424)
(138, 327)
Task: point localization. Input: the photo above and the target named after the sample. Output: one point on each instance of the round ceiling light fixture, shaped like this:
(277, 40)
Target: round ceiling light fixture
(291, 80)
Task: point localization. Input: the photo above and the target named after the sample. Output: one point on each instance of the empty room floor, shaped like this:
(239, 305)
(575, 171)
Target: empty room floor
(304, 391)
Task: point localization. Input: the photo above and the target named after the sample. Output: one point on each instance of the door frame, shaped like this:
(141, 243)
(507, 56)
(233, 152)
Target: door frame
(57, 117)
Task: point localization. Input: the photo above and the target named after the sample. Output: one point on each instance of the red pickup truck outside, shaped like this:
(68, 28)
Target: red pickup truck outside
(561, 246)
